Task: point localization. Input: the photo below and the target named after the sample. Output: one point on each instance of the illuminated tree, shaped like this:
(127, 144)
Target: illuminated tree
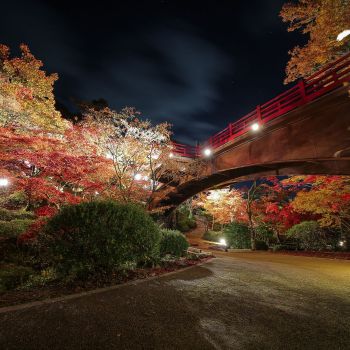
(321, 21)
(140, 153)
(47, 170)
(328, 199)
(26, 93)
(223, 205)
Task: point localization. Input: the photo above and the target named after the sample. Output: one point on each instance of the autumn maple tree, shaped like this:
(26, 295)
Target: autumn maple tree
(26, 93)
(47, 170)
(327, 198)
(321, 21)
(139, 152)
(224, 205)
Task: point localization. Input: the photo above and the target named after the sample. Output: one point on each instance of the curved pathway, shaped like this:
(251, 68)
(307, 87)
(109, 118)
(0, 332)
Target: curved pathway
(237, 301)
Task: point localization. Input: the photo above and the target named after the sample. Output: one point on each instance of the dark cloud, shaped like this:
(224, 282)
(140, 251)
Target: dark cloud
(197, 65)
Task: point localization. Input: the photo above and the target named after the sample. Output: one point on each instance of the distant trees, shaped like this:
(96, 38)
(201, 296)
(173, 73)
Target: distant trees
(271, 206)
(321, 21)
(223, 205)
(327, 199)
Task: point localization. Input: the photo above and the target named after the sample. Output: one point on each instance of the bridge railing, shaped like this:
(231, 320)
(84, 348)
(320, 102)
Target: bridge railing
(187, 151)
(318, 84)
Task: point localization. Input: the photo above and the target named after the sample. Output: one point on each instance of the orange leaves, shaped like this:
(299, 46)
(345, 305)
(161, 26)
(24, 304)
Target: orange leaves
(328, 198)
(26, 93)
(321, 21)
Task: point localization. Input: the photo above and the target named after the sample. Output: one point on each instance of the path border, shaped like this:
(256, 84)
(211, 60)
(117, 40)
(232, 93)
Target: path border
(17, 307)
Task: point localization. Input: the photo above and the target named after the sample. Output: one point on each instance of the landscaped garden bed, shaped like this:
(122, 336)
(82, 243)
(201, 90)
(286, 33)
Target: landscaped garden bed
(88, 246)
(53, 290)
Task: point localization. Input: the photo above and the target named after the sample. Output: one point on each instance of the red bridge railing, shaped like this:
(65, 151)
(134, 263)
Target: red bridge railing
(185, 150)
(318, 84)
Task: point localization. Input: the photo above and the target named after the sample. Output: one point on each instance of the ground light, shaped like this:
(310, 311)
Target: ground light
(255, 127)
(207, 152)
(138, 177)
(223, 241)
(171, 155)
(343, 34)
(4, 182)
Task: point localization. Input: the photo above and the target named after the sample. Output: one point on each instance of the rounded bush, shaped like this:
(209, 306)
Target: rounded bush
(12, 276)
(213, 236)
(261, 245)
(8, 215)
(14, 228)
(173, 242)
(309, 235)
(99, 237)
(237, 235)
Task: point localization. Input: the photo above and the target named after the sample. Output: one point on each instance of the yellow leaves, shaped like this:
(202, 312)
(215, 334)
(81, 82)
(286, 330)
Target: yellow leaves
(322, 21)
(26, 93)
(327, 199)
(224, 205)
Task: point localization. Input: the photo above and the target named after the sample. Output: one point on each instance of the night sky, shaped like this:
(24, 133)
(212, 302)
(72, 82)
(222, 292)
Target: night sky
(197, 64)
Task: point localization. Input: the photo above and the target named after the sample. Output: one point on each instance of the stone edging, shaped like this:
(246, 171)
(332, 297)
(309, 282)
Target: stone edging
(94, 291)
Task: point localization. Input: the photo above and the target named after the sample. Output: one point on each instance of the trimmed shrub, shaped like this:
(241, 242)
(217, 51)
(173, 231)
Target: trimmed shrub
(182, 226)
(173, 242)
(184, 222)
(261, 245)
(237, 235)
(213, 236)
(192, 223)
(264, 233)
(100, 237)
(308, 235)
(8, 215)
(12, 276)
(277, 247)
(15, 200)
(14, 228)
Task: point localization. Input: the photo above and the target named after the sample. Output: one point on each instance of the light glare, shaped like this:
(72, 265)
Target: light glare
(222, 241)
(4, 182)
(343, 34)
(138, 177)
(255, 127)
(109, 155)
(207, 152)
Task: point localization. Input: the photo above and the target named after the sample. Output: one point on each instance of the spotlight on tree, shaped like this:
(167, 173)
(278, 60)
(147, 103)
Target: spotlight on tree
(138, 177)
(343, 34)
(4, 182)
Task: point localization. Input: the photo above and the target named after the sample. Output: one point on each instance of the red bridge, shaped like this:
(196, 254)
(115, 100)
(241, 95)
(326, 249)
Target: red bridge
(305, 91)
(305, 130)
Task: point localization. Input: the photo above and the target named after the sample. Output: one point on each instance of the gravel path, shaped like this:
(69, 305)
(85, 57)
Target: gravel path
(237, 301)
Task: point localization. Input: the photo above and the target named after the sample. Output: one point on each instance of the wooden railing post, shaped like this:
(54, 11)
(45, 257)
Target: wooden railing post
(258, 114)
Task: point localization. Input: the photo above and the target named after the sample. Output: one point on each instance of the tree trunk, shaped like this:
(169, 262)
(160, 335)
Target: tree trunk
(253, 241)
